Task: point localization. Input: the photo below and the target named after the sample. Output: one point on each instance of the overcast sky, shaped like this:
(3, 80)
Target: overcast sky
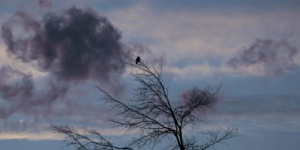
(250, 47)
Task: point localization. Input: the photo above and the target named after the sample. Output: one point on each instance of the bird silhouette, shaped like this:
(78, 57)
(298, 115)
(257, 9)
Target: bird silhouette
(138, 59)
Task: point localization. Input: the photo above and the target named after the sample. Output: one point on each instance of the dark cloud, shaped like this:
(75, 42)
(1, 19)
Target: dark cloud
(23, 96)
(72, 46)
(77, 44)
(276, 57)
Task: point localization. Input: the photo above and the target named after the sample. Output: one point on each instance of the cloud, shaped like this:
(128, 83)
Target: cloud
(71, 47)
(192, 71)
(30, 136)
(36, 130)
(75, 45)
(22, 126)
(19, 90)
(192, 38)
(17, 65)
(200, 32)
(176, 35)
(275, 57)
(259, 112)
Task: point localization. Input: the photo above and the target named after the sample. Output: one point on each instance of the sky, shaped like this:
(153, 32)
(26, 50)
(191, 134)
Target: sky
(251, 48)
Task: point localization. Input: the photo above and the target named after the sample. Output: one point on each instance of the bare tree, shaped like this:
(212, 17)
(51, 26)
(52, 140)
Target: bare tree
(156, 118)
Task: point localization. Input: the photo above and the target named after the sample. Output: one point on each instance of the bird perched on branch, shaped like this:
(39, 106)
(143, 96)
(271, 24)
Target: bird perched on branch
(138, 59)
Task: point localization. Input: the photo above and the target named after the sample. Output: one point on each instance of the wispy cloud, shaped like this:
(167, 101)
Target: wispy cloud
(275, 57)
(183, 36)
(260, 112)
(30, 136)
(39, 130)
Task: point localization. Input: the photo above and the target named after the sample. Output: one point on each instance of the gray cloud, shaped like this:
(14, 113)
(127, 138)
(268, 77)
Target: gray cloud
(73, 46)
(276, 57)
(23, 96)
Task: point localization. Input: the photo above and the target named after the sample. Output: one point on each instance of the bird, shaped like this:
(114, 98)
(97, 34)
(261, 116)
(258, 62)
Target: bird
(137, 60)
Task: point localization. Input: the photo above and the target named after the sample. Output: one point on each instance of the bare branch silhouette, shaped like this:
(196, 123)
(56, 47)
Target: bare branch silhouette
(153, 115)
